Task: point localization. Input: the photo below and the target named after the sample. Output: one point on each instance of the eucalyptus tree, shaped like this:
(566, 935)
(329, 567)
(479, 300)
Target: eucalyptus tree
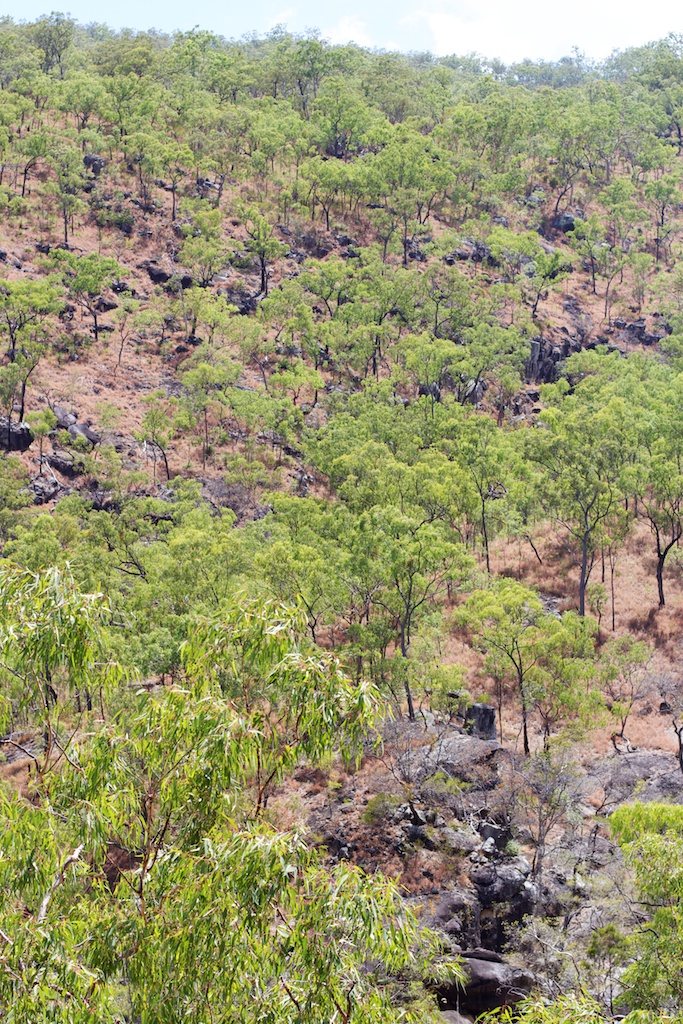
(147, 874)
(507, 621)
(26, 308)
(583, 451)
(86, 277)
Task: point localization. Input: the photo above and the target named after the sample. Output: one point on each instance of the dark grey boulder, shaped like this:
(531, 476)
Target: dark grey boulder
(480, 721)
(65, 463)
(500, 883)
(489, 985)
(565, 222)
(65, 419)
(83, 430)
(156, 273)
(15, 438)
(458, 915)
(44, 489)
(94, 163)
(460, 840)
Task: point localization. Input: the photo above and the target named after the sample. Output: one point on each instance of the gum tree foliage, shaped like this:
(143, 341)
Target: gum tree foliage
(582, 457)
(651, 836)
(86, 277)
(142, 877)
(550, 659)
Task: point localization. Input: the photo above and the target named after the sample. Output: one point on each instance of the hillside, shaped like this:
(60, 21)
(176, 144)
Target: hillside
(341, 499)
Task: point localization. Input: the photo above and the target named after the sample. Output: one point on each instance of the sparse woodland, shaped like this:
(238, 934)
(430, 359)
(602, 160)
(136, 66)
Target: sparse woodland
(341, 500)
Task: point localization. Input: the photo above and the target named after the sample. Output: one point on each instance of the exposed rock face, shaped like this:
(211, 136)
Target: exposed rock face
(16, 438)
(565, 222)
(460, 756)
(546, 353)
(490, 983)
(83, 430)
(65, 463)
(458, 915)
(94, 163)
(655, 775)
(44, 489)
(480, 721)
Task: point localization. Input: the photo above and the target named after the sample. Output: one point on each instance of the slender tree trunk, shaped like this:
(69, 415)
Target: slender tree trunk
(662, 552)
(485, 535)
(525, 727)
(163, 455)
(585, 573)
(660, 579)
(678, 729)
(405, 644)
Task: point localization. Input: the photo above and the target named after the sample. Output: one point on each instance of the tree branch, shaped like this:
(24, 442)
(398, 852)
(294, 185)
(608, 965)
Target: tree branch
(58, 880)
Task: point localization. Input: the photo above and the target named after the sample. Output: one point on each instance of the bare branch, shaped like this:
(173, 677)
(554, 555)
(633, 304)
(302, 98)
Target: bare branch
(58, 880)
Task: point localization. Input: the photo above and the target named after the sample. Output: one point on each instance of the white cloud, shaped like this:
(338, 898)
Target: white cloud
(533, 28)
(349, 29)
(282, 17)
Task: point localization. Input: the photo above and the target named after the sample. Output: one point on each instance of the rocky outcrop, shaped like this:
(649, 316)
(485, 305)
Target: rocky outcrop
(16, 437)
(480, 721)
(44, 489)
(456, 754)
(471, 249)
(490, 983)
(94, 163)
(457, 914)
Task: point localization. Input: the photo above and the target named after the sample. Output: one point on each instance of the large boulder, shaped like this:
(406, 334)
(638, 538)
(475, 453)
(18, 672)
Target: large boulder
(65, 463)
(565, 222)
(456, 914)
(501, 883)
(83, 430)
(64, 418)
(157, 274)
(94, 163)
(459, 841)
(480, 721)
(458, 755)
(15, 438)
(507, 895)
(490, 983)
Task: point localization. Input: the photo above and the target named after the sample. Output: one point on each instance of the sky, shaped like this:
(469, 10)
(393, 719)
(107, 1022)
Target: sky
(508, 29)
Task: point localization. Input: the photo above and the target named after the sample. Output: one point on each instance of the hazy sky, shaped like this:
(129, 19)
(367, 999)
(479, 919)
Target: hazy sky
(509, 29)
